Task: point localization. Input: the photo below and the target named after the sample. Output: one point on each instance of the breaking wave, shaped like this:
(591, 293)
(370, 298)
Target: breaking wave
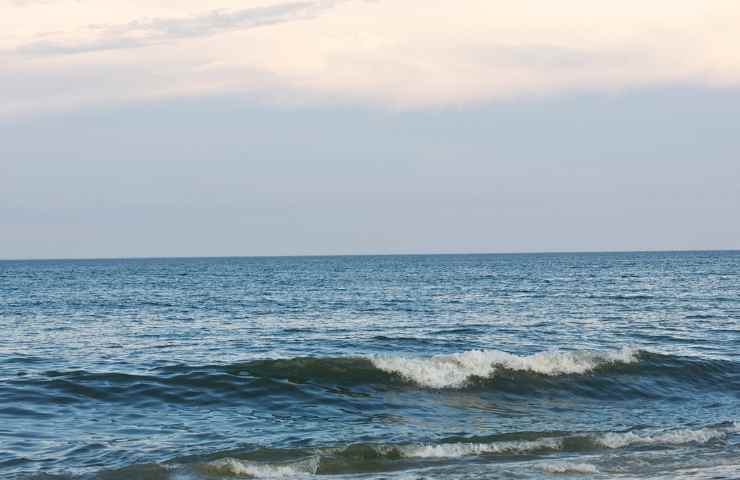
(454, 371)
(568, 467)
(233, 466)
(384, 457)
(362, 458)
(672, 437)
(624, 373)
(450, 450)
(572, 442)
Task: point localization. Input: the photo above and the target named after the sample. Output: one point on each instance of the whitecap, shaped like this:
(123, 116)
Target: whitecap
(452, 450)
(671, 437)
(568, 467)
(233, 466)
(455, 370)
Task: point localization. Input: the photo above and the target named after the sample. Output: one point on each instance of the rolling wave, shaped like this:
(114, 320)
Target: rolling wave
(368, 457)
(569, 467)
(454, 450)
(573, 442)
(624, 373)
(671, 437)
(497, 370)
(233, 466)
(456, 370)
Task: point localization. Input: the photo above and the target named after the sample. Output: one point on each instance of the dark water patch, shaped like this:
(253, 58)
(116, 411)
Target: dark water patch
(659, 338)
(22, 359)
(457, 331)
(340, 371)
(624, 297)
(405, 340)
(138, 472)
(15, 412)
(197, 388)
(299, 330)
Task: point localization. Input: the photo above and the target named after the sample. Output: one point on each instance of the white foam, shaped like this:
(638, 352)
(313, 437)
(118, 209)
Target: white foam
(675, 437)
(568, 467)
(453, 450)
(454, 371)
(608, 440)
(233, 466)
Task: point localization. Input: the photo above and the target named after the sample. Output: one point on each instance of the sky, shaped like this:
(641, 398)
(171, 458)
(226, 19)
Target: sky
(273, 127)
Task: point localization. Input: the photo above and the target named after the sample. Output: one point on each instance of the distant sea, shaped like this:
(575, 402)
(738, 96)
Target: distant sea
(522, 366)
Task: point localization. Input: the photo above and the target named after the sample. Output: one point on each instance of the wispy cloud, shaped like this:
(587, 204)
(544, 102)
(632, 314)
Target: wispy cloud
(398, 53)
(145, 32)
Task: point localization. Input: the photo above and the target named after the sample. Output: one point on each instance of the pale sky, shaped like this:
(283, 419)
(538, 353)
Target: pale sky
(178, 128)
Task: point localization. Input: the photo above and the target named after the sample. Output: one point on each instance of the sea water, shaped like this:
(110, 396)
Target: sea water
(530, 366)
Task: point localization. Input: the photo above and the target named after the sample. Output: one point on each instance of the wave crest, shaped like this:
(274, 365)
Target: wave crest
(233, 466)
(455, 371)
(673, 437)
(568, 467)
(447, 450)
(545, 449)
(624, 373)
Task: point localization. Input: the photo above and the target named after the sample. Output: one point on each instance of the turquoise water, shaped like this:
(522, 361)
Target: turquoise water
(621, 365)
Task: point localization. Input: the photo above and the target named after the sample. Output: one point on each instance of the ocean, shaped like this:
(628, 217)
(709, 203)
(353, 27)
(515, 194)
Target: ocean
(518, 366)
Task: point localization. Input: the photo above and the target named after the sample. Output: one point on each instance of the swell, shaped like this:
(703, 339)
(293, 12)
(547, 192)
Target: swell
(364, 457)
(458, 370)
(625, 373)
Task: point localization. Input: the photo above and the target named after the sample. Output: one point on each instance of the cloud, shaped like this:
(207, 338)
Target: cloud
(144, 32)
(397, 54)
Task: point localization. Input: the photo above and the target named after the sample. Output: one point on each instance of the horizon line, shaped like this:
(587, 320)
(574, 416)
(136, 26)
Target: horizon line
(332, 255)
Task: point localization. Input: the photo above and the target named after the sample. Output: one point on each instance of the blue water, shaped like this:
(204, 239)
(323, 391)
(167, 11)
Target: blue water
(618, 365)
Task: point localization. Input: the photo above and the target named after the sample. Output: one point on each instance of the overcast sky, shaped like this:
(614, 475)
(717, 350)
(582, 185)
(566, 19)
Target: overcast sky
(185, 128)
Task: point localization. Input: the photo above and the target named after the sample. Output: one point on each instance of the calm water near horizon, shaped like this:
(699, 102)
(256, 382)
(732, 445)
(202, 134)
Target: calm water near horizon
(511, 366)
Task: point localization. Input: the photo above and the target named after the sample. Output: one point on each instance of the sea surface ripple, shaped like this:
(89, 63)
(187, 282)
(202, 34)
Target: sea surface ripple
(531, 366)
